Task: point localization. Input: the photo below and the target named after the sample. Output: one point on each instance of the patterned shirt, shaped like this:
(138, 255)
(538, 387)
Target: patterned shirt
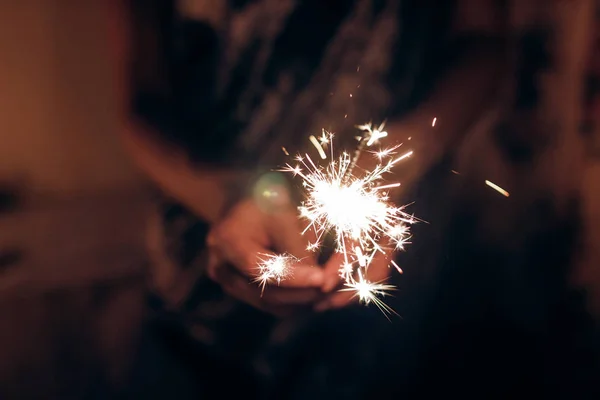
(233, 81)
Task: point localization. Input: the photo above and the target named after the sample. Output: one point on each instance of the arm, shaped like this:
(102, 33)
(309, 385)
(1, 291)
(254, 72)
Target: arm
(458, 100)
(241, 236)
(463, 93)
(206, 191)
(467, 89)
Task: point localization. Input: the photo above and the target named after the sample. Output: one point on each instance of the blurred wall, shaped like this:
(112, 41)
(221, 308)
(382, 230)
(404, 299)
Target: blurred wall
(83, 209)
(57, 113)
(72, 252)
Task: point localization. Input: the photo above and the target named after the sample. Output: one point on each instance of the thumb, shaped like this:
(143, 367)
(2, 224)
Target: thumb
(332, 272)
(287, 236)
(377, 271)
(380, 267)
(340, 263)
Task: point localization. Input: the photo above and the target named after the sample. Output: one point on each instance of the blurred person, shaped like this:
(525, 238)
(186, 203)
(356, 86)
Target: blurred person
(218, 87)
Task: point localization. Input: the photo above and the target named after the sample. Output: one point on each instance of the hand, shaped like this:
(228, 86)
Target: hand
(237, 244)
(379, 270)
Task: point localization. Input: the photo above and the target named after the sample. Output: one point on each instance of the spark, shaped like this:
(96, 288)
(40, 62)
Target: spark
(397, 267)
(497, 188)
(313, 246)
(362, 258)
(384, 153)
(400, 235)
(274, 268)
(373, 134)
(355, 210)
(285, 151)
(434, 121)
(408, 154)
(318, 146)
(346, 269)
(325, 137)
(369, 292)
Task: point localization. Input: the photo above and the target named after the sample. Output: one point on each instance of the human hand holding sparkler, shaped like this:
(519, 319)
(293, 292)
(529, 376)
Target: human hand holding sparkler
(246, 238)
(353, 208)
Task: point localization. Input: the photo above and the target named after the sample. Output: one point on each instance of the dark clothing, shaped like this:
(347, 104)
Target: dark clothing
(232, 82)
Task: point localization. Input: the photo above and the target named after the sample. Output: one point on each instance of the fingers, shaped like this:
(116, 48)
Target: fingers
(272, 299)
(246, 255)
(277, 214)
(240, 244)
(377, 271)
(333, 266)
(335, 300)
(276, 296)
(332, 277)
(287, 233)
(303, 276)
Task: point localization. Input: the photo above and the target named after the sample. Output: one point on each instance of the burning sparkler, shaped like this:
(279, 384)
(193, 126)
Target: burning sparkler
(368, 292)
(274, 268)
(353, 208)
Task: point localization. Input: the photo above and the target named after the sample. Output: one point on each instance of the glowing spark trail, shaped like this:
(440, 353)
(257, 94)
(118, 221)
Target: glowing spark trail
(318, 146)
(324, 139)
(367, 292)
(374, 134)
(497, 188)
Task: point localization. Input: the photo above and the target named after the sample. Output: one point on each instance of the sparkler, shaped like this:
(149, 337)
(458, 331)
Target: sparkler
(368, 292)
(274, 268)
(354, 208)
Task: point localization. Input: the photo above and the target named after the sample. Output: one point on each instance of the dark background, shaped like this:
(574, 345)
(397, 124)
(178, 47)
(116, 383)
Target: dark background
(72, 265)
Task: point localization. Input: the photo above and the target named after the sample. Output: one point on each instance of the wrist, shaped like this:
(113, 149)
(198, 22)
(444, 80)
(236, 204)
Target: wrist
(203, 189)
